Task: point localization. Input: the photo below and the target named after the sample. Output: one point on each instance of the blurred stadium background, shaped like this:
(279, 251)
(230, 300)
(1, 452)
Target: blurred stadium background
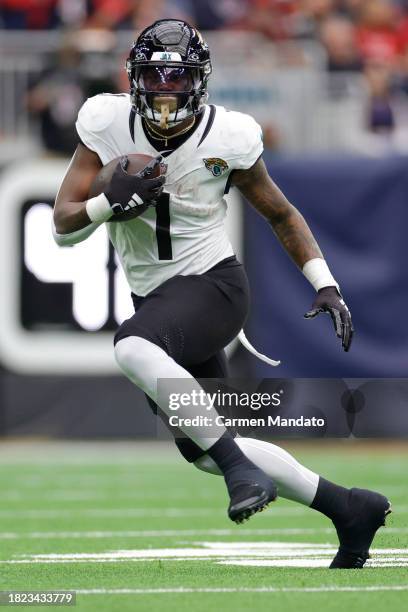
(327, 80)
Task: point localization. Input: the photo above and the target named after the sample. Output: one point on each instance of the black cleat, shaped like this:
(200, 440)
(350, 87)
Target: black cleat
(367, 511)
(249, 488)
(249, 497)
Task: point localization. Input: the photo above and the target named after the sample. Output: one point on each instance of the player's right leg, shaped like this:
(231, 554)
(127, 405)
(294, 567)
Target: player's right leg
(250, 489)
(185, 321)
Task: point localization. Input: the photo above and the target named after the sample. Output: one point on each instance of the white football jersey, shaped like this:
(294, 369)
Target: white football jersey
(185, 233)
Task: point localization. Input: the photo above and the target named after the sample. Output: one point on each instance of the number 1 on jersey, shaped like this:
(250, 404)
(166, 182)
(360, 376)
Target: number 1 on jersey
(163, 227)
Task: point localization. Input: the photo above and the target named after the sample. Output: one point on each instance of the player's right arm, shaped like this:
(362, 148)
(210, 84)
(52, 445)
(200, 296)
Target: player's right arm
(70, 212)
(73, 214)
(76, 215)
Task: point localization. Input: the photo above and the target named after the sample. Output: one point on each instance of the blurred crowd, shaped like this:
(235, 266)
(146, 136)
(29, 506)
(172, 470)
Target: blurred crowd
(353, 31)
(367, 37)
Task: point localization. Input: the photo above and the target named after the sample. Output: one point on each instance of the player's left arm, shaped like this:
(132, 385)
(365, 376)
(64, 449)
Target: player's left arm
(290, 227)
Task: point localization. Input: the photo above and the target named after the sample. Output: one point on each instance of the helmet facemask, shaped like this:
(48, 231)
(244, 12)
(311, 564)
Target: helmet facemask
(167, 94)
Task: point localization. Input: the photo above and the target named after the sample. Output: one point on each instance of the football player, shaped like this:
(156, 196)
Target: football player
(190, 293)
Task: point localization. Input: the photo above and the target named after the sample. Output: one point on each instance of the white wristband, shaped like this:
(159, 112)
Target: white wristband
(98, 209)
(318, 274)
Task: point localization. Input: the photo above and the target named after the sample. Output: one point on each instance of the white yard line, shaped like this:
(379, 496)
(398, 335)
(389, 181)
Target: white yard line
(294, 563)
(265, 589)
(306, 563)
(250, 554)
(223, 552)
(113, 560)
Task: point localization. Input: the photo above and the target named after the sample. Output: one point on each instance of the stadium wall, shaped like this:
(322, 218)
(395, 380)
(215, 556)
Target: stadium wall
(357, 208)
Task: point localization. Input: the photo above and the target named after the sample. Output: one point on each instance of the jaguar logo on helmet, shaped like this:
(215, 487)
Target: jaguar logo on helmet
(216, 165)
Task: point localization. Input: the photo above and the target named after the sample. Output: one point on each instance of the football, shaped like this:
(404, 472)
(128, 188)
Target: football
(136, 163)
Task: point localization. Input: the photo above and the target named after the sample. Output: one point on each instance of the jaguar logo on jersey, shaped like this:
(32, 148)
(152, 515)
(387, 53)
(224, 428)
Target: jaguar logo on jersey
(216, 165)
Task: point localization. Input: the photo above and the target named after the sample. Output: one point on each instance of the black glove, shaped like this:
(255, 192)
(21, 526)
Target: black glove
(128, 191)
(330, 300)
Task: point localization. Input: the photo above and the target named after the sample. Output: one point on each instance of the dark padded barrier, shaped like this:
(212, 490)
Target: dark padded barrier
(358, 210)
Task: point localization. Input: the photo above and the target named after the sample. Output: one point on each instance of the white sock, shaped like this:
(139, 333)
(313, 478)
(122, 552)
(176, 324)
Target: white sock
(144, 363)
(294, 481)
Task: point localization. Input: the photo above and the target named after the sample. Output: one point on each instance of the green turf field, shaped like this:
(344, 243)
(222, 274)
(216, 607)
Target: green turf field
(133, 527)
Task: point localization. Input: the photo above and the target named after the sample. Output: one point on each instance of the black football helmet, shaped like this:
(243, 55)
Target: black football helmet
(169, 58)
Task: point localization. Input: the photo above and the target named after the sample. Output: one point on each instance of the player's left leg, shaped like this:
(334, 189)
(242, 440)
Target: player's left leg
(356, 513)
